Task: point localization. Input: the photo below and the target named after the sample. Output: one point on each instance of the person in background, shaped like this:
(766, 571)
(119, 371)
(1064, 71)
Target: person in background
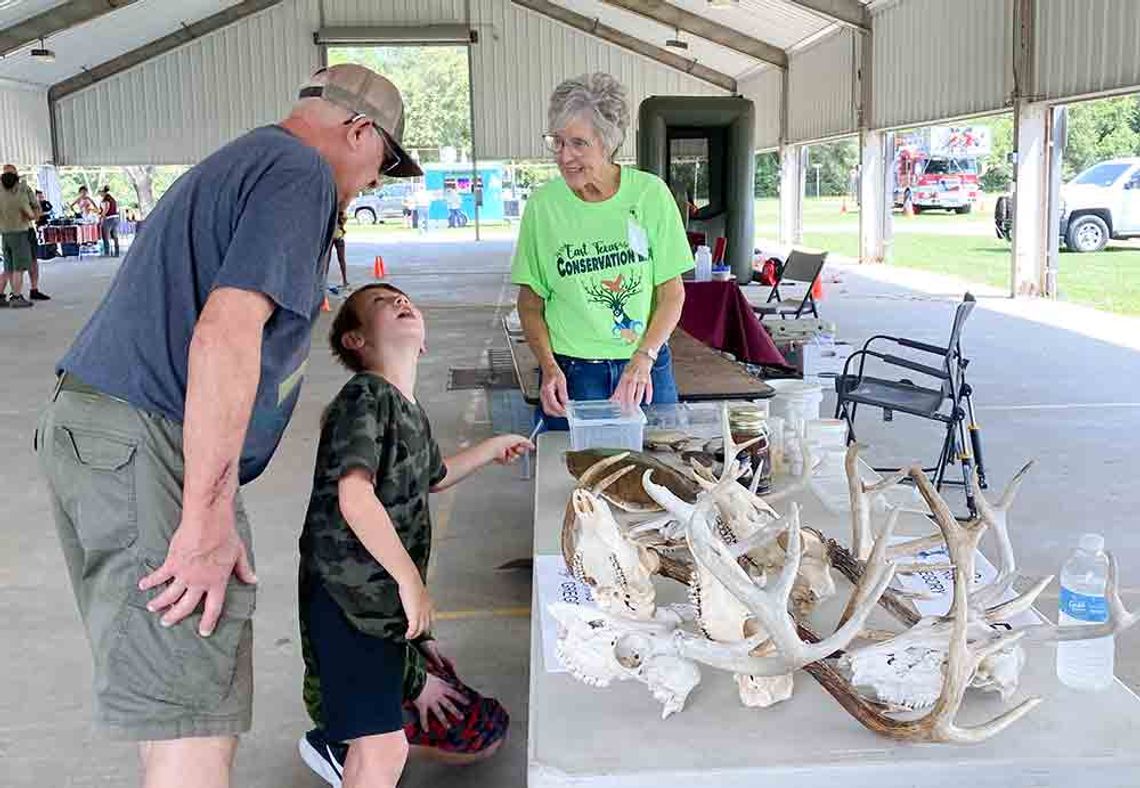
(46, 209)
(599, 260)
(17, 211)
(338, 244)
(455, 217)
(83, 205)
(109, 221)
(423, 208)
(35, 293)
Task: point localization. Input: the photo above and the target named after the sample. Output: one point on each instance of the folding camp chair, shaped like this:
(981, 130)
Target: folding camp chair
(949, 402)
(800, 268)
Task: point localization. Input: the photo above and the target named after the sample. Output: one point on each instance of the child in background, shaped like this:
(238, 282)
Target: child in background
(365, 611)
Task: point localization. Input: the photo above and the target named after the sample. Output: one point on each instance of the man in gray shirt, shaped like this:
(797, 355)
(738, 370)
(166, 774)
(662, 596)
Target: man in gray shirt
(176, 392)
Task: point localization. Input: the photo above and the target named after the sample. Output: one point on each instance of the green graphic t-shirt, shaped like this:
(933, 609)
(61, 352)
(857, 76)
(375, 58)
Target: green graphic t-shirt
(596, 264)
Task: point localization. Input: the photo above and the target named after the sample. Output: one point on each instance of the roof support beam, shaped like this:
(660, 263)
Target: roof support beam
(851, 13)
(135, 57)
(680, 19)
(616, 37)
(55, 20)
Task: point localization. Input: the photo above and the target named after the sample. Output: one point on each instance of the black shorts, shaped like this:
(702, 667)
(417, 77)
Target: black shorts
(362, 677)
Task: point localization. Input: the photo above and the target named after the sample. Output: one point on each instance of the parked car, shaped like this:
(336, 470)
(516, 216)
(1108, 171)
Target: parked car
(387, 202)
(1100, 204)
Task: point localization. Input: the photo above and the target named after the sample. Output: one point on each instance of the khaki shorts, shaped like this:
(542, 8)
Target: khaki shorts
(18, 254)
(115, 481)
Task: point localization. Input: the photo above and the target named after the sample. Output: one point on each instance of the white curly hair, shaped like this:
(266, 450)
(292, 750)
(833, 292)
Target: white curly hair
(599, 98)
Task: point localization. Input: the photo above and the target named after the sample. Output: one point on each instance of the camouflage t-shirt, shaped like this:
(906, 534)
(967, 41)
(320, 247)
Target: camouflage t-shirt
(369, 425)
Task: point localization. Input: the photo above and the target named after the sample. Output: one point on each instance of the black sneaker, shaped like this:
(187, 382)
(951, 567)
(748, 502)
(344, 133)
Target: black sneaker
(18, 302)
(36, 295)
(323, 757)
(3, 301)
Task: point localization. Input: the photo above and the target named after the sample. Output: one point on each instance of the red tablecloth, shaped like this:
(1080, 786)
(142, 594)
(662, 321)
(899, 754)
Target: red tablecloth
(71, 233)
(719, 315)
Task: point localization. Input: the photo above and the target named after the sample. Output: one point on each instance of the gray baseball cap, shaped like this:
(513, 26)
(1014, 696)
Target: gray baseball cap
(361, 90)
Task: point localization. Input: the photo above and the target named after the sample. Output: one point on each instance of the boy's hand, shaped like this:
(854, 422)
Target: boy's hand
(418, 607)
(435, 657)
(505, 449)
(441, 699)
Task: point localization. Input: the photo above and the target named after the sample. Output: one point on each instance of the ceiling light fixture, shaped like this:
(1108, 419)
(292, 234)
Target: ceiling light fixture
(676, 43)
(42, 54)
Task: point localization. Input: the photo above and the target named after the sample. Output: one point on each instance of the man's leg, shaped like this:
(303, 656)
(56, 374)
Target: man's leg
(341, 261)
(106, 239)
(115, 235)
(188, 763)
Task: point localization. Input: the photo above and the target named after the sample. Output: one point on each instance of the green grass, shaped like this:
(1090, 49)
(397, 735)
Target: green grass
(1109, 280)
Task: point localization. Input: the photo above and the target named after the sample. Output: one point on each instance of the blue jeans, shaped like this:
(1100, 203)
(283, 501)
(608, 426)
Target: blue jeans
(594, 380)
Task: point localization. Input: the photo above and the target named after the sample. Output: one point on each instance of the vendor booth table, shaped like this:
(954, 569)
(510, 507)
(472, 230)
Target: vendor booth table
(702, 374)
(719, 315)
(615, 737)
(71, 237)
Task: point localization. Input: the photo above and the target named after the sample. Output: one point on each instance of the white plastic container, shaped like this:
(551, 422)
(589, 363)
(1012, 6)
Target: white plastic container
(703, 259)
(796, 402)
(827, 441)
(1085, 664)
(603, 424)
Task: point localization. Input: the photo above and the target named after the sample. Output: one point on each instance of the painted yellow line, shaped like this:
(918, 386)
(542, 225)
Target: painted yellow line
(491, 612)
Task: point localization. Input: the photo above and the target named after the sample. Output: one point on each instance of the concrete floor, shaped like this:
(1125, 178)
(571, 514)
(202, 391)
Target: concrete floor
(1044, 392)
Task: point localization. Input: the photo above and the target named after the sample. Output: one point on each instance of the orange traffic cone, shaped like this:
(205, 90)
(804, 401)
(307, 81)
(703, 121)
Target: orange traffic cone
(378, 270)
(843, 207)
(325, 304)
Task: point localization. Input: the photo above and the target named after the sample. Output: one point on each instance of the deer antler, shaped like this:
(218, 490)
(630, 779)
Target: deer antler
(770, 605)
(860, 494)
(996, 517)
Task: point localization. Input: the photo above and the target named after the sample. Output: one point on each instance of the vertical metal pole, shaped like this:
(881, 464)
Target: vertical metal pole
(476, 192)
(1057, 138)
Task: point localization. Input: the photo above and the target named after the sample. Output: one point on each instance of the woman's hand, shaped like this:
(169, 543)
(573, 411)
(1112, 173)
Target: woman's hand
(435, 657)
(636, 384)
(554, 394)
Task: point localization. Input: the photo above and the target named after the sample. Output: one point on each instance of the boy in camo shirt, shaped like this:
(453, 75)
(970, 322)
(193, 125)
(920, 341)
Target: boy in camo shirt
(365, 611)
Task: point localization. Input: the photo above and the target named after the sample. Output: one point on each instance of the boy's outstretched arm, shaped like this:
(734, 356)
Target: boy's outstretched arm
(503, 449)
(370, 522)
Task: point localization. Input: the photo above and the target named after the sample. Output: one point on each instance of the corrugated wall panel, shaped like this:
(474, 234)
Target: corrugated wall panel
(25, 128)
(766, 89)
(393, 12)
(821, 89)
(939, 59)
(1087, 47)
(183, 105)
(520, 58)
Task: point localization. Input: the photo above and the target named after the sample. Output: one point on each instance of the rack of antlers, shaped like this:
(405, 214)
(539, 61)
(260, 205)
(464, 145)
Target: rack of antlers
(755, 575)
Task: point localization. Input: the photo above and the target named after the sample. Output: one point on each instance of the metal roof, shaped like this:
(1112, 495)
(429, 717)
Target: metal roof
(99, 40)
(785, 24)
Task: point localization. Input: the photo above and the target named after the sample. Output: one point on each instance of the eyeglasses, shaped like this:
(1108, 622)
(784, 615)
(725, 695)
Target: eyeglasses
(555, 143)
(392, 159)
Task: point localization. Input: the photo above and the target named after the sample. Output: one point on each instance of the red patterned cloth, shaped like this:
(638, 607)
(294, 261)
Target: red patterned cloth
(718, 314)
(484, 721)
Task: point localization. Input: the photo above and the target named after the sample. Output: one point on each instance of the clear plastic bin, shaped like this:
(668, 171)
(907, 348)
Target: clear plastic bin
(603, 425)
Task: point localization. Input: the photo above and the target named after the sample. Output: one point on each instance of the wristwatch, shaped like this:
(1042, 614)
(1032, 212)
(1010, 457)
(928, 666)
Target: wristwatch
(648, 351)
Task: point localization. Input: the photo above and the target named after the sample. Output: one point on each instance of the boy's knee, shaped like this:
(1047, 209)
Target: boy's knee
(376, 760)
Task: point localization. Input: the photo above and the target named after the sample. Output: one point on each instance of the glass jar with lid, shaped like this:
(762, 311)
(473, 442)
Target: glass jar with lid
(746, 423)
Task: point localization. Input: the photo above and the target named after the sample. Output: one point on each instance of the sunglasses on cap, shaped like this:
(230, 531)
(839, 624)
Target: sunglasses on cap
(392, 159)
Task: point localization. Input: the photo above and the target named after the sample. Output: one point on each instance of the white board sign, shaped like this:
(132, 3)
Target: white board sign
(938, 584)
(556, 584)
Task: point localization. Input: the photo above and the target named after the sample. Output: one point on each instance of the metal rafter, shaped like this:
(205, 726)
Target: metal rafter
(697, 25)
(55, 20)
(616, 37)
(184, 35)
(851, 13)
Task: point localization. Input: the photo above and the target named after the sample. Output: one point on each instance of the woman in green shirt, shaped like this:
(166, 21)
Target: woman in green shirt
(599, 260)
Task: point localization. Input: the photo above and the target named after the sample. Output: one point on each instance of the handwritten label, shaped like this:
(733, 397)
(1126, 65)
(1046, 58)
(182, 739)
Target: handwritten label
(556, 584)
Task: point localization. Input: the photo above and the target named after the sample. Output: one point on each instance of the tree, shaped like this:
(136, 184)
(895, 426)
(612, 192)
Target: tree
(1099, 130)
(434, 84)
(767, 182)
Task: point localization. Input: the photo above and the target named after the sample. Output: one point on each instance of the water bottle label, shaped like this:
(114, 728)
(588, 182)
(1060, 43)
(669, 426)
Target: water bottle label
(1090, 609)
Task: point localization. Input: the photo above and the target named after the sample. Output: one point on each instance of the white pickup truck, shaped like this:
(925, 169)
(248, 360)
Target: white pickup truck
(1100, 204)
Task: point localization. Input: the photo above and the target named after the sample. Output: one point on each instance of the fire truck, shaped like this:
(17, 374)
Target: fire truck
(937, 168)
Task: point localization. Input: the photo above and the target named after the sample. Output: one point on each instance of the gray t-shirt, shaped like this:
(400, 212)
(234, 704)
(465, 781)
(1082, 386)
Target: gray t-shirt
(257, 215)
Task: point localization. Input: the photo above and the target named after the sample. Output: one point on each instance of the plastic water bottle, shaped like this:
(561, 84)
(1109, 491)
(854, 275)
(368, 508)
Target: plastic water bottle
(703, 260)
(1085, 664)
